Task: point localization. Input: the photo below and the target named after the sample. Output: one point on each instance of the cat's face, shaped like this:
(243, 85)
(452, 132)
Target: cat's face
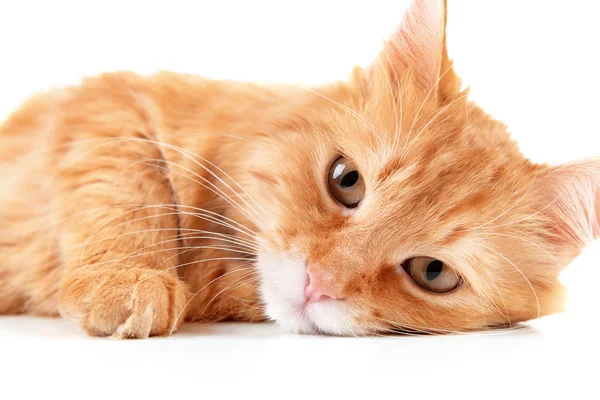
(395, 203)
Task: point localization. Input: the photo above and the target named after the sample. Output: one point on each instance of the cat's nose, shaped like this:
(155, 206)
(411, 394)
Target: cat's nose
(318, 288)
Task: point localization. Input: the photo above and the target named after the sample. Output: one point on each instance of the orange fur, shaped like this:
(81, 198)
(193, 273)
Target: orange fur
(135, 203)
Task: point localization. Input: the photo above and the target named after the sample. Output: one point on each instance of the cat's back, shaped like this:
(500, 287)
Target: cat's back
(182, 110)
(25, 240)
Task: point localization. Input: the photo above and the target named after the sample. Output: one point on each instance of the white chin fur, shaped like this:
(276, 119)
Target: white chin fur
(283, 281)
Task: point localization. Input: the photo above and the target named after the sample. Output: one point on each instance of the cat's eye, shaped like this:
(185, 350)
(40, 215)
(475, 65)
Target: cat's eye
(432, 275)
(346, 185)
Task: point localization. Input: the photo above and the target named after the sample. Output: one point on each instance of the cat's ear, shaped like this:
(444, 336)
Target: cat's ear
(571, 205)
(417, 48)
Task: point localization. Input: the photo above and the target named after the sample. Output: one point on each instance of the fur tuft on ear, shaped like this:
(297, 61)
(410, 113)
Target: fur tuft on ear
(420, 39)
(572, 194)
(418, 49)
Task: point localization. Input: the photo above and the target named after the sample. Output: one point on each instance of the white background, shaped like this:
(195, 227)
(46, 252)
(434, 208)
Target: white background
(533, 64)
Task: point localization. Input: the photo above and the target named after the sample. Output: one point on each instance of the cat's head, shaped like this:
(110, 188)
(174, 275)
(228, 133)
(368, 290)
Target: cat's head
(394, 202)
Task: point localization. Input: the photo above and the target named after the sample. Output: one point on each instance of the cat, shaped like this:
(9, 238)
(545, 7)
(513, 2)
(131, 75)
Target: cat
(388, 202)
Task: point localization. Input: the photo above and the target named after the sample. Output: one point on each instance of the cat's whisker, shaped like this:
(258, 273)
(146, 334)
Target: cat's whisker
(489, 300)
(236, 183)
(526, 241)
(227, 287)
(400, 97)
(417, 330)
(401, 328)
(230, 238)
(440, 331)
(135, 220)
(172, 207)
(88, 240)
(92, 281)
(178, 149)
(164, 270)
(500, 311)
(259, 311)
(258, 243)
(203, 211)
(95, 241)
(486, 295)
(109, 262)
(120, 259)
(248, 280)
(238, 247)
(213, 188)
(415, 119)
(393, 100)
(177, 255)
(240, 268)
(386, 332)
(437, 114)
(539, 310)
(231, 201)
(207, 213)
(509, 209)
(141, 252)
(233, 239)
(237, 269)
(566, 189)
(159, 229)
(251, 238)
(246, 301)
(138, 254)
(534, 214)
(220, 216)
(82, 249)
(218, 191)
(234, 270)
(352, 112)
(269, 217)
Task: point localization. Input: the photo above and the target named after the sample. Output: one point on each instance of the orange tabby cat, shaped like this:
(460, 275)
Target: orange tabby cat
(385, 202)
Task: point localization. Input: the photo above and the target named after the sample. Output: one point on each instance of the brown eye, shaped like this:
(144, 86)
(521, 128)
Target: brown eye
(432, 275)
(345, 183)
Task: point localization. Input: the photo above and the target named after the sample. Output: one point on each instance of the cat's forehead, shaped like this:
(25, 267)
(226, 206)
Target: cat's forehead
(440, 179)
(379, 131)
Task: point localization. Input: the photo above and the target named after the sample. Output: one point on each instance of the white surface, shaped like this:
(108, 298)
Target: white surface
(532, 64)
(43, 357)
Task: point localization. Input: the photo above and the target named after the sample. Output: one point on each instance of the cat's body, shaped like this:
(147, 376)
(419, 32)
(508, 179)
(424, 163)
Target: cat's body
(167, 109)
(133, 203)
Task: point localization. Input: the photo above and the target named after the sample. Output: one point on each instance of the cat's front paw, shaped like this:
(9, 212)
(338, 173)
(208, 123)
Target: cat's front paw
(126, 304)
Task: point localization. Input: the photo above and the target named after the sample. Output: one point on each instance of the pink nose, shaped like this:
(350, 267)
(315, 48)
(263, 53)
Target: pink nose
(313, 294)
(317, 289)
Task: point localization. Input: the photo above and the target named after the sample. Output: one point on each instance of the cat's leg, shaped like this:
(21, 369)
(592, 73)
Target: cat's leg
(119, 244)
(118, 230)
